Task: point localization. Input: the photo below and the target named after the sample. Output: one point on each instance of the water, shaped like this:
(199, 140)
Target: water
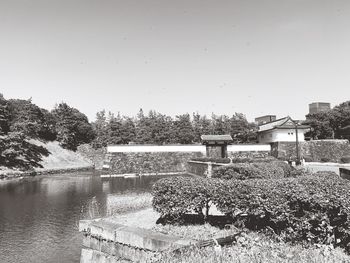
(39, 216)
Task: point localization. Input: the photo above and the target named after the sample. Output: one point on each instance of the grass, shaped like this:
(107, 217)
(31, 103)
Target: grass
(257, 248)
(121, 204)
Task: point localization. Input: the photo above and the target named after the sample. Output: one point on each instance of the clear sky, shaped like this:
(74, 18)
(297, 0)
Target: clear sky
(255, 57)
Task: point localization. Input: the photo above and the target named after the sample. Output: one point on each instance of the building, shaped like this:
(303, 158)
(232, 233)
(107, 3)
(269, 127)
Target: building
(265, 119)
(316, 107)
(281, 130)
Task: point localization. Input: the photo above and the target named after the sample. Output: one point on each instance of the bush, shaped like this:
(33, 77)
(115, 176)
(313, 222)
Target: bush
(345, 159)
(287, 169)
(325, 160)
(296, 172)
(313, 208)
(266, 159)
(213, 160)
(243, 171)
(174, 197)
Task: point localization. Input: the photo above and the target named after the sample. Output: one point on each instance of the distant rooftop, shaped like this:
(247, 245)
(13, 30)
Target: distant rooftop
(224, 138)
(285, 122)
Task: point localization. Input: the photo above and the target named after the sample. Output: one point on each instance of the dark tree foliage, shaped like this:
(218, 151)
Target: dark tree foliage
(32, 120)
(114, 130)
(201, 125)
(4, 116)
(320, 126)
(100, 130)
(334, 123)
(340, 120)
(183, 130)
(128, 130)
(72, 126)
(17, 152)
(157, 128)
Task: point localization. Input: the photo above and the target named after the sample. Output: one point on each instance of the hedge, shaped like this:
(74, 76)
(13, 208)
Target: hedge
(314, 208)
(213, 160)
(310, 208)
(266, 159)
(176, 196)
(243, 171)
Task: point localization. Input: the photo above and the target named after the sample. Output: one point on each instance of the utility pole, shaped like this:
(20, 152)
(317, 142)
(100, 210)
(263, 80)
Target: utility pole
(297, 162)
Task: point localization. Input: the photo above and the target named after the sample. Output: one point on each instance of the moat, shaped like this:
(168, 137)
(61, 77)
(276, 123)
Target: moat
(39, 215)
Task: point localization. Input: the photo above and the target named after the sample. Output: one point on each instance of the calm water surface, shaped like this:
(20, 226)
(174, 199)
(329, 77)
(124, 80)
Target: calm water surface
(39, 216)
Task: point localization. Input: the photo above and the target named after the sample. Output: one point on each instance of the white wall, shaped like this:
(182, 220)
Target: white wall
(155, 148)
(281, 135)
(182, 148)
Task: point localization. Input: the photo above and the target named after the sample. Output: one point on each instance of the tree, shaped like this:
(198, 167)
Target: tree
(340, 120)
(183, 131)
(100, 130)
(17, 152)
(128, 130)
(4, 116)
(114, 130)
(73, 127)
(320, 125)
(32, 120)
(201, 125)
(241, 130)
(156, 128)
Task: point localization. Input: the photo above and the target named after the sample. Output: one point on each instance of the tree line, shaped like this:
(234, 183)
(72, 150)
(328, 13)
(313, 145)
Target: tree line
(158, 128)
(331, 124)
(22, 120)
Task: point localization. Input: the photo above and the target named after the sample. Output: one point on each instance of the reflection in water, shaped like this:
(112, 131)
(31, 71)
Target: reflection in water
(39, 216)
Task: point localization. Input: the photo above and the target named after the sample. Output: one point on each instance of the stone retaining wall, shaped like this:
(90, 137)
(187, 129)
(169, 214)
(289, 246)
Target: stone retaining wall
(203, 169)
(106, 241)
(125, 159)
(313, 151)
(124, 163)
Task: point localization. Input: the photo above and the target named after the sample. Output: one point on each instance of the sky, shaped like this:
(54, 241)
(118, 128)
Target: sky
(256, 57)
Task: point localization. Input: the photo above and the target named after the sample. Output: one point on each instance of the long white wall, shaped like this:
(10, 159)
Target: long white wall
(183, 148)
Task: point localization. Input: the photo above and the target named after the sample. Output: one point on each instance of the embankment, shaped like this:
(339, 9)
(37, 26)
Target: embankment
(59, 161)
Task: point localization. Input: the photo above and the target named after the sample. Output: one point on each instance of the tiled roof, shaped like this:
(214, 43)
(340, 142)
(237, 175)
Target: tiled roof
(285, 122)
(218, 138)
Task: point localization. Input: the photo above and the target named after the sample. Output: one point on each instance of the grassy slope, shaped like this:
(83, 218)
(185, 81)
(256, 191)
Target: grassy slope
(61, 158)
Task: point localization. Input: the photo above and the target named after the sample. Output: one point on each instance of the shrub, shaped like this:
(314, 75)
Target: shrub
(345, 159)
(266, 159)
(287, 169)
(325, 160)
(313, 208)
(174, 197)
(214, 160)
(243, 171)
(296, 172)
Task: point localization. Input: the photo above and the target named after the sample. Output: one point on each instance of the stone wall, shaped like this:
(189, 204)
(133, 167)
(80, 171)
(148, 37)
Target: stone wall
(202, 168)
(150, 162)
(96, 156)
(125, 159)
(315, 151)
